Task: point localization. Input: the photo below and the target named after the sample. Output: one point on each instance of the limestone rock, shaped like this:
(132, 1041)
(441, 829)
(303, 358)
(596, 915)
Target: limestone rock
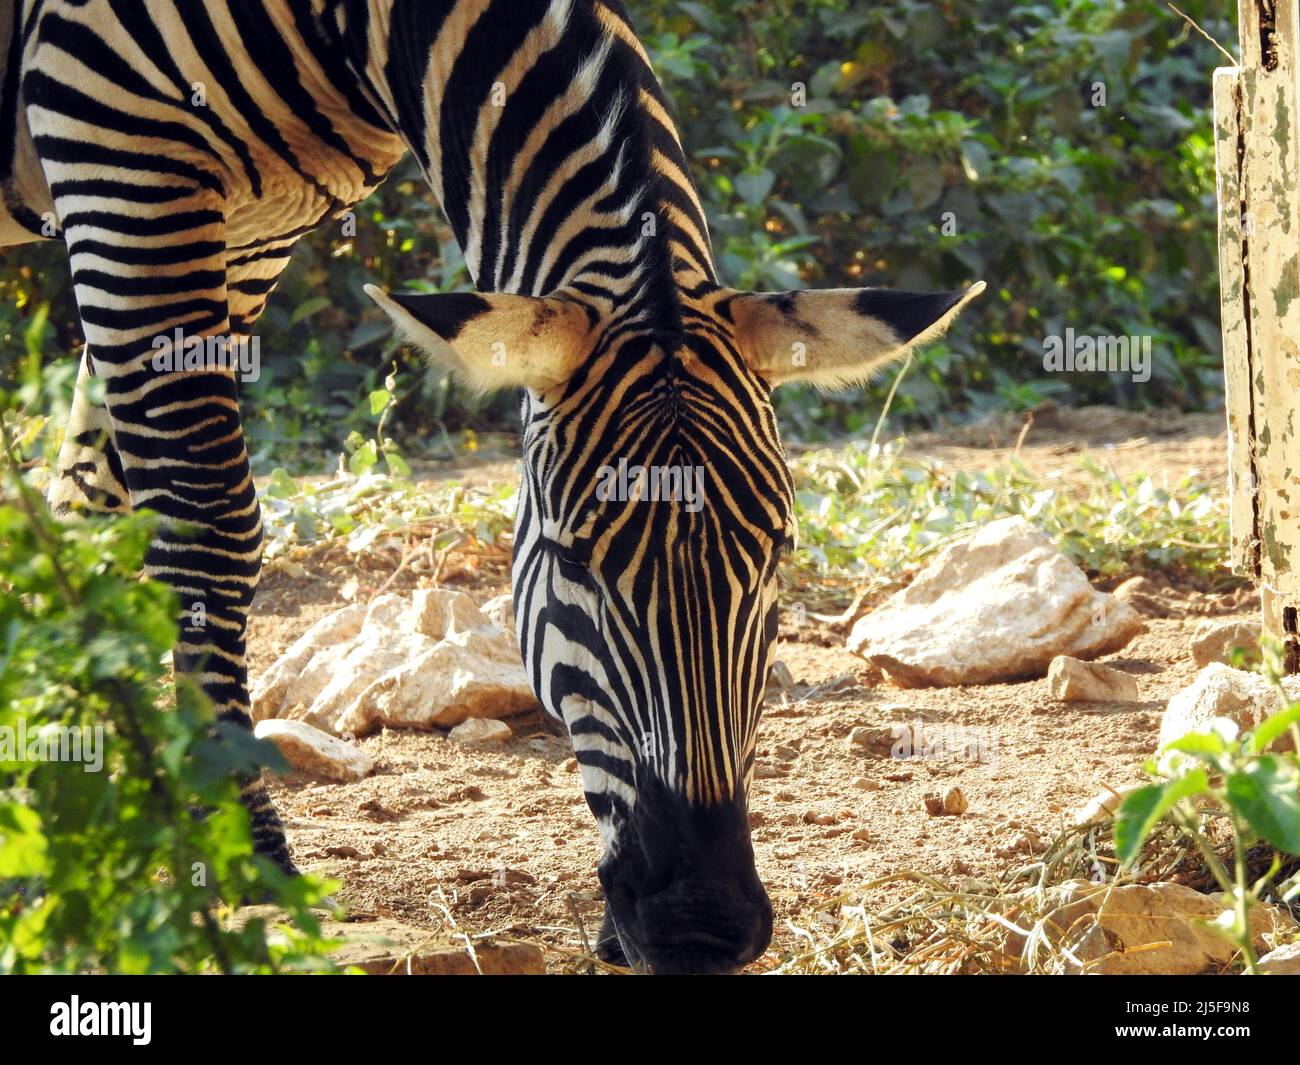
(1284, 961)
(952, 804)
(1215, 640)
(880, 740)
(1220, 691)
(500, 610)
(1104, 927)
(998, 605)
(385, 947)
(429, 661)
(316, 753)
(1073, 681)
(480, 730)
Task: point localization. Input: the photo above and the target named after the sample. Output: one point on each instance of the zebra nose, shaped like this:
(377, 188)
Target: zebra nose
(704, 927)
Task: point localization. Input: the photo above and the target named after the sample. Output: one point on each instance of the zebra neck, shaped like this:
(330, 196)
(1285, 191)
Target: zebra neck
(546, 139)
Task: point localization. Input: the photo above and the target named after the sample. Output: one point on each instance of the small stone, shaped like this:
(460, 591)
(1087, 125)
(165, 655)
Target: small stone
(1073, 681)
(861, 834)
(878, 740)
(898, 778)
(954, 803)
(480, 730)
(1215, 641)
(316, 753)
(813, 818)
(866, 784)
(1104, 804)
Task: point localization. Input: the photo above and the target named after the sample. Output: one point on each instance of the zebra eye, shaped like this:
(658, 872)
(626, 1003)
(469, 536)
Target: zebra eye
(571, 557)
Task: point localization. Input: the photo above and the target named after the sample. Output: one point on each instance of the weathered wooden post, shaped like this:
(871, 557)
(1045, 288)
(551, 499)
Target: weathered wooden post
(1257, 144)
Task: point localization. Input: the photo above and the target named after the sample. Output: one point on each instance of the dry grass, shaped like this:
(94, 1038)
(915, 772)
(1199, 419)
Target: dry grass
(991, 926)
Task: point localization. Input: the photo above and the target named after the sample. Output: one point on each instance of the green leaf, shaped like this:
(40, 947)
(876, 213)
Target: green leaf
(1198, 743)
(379, 400)
(754, 188)
(1274, 726)
(1266, 794)
(1145, 807)
(308, 308)
(364, 458)
(22, 844)
(397, 465)
(282, 486)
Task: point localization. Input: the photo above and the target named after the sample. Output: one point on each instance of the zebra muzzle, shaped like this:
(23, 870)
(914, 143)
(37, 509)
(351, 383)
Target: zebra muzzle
(681, 887)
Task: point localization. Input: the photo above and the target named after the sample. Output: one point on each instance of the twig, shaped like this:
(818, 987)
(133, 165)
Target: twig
(1192, 22)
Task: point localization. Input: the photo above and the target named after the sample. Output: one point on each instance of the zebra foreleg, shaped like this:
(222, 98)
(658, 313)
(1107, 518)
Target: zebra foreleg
(174, 436)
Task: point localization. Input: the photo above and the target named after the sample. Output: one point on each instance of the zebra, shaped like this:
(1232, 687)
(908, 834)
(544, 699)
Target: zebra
(180, 148)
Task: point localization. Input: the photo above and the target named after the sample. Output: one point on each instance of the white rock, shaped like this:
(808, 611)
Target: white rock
(1143, 929)
(298, 675)
(1215, 640)
(998, 605)
(480, 730)
(1220, 691)
(431, 661)
(1073, 681)
(1284, 961)
(316, 753)
(500, 610)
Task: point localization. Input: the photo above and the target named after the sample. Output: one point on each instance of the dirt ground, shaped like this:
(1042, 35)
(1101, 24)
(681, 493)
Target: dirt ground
(501, 840)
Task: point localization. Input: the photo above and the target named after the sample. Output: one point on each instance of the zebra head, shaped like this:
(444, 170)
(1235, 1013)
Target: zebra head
(654, 508)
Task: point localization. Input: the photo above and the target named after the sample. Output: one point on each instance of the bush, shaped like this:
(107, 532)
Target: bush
(103, 865)
(938, 143)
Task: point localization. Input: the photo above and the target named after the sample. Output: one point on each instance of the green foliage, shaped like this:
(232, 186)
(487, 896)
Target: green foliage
(103, 864)
(917, 113)
(357, 509)
(1241, 777)
(873, 514)
(980, 115)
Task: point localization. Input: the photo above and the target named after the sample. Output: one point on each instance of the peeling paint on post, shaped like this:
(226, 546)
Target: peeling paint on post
(1257, 151)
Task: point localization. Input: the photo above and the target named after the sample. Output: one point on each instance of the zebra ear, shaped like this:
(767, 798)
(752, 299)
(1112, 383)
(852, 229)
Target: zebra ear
(838, 337)
(493, 340)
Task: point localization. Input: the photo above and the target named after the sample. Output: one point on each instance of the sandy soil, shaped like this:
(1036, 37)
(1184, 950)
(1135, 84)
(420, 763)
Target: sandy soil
(501, 840)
